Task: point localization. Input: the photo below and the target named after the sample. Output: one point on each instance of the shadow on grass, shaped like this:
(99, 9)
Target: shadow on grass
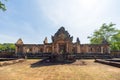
(47, 62)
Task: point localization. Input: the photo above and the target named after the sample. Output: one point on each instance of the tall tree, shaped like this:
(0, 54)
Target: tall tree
(115, 41)
(7, 47)
(109, 33)
(2, 6)
(105, 32)
(116, 37)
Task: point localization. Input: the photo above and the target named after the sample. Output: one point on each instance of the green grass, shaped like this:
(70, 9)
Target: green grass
(91, 71)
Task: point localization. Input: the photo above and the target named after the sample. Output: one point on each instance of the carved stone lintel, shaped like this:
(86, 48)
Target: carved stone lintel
(62, 34)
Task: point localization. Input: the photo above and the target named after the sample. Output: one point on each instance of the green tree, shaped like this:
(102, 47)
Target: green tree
(105, 32)
(116, 37)
(2, 47)
(12, 46)
(7, 47)
(2, 6)
(115, 41)
(109, 33)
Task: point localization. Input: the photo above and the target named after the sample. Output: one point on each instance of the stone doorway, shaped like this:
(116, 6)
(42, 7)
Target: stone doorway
(62, 48)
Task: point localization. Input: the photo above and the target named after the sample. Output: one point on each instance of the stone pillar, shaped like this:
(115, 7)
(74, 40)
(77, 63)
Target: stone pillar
(33, 49)
(44, 49)
(101, 49)
(20, 49)
(16, 50)
(70, 48)
(24, 49)
(78, 48)
(57, 48)
(108, 49)
(87, 49)
(53, 49)
(67, 48)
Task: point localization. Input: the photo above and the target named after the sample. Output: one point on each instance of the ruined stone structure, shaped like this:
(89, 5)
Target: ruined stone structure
(62, 42)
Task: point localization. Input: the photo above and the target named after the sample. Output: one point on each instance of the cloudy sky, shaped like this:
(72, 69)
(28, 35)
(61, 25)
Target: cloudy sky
(33, 20)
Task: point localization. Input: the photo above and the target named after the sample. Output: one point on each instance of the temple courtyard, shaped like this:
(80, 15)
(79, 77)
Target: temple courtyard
(32, 69)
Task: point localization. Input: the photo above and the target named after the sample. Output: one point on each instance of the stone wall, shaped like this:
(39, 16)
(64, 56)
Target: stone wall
(5, 63)
(115, 54)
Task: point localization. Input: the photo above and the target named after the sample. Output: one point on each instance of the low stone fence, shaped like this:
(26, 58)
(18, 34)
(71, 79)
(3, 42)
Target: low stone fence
(115, 54)
(92, 56)
(109, 62)
(4, 63)
(7, 55)
(78, 55)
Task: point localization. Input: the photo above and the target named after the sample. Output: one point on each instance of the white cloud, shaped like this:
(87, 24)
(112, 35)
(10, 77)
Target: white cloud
(80, 17)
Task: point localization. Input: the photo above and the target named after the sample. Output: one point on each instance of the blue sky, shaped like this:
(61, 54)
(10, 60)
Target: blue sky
(33, 20)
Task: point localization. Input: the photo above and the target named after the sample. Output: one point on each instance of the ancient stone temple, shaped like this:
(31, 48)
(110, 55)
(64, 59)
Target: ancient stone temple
(62, 42)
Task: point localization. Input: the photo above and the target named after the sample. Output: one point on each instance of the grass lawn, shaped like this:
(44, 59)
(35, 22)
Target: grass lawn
(90, 71)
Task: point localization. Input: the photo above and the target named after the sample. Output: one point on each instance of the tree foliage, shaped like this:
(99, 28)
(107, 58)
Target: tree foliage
(116, 37)
(109, 33)
(2, 6)
(7, 47)
(115, 41)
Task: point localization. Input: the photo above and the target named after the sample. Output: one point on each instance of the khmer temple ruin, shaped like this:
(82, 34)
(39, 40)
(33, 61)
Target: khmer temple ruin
(62, 42)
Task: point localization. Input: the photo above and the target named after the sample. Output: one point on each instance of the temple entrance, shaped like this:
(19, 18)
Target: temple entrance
(62, 48)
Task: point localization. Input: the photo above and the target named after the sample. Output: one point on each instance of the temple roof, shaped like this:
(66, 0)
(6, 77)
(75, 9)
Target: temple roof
(62, 34)
(19, 41)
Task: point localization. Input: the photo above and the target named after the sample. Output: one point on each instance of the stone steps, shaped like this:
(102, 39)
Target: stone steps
(108, 62)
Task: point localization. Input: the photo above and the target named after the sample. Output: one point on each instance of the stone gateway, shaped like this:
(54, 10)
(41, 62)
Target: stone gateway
(62, 42)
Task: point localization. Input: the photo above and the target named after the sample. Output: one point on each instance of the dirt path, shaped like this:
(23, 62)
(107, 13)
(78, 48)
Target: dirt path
(90, 71)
